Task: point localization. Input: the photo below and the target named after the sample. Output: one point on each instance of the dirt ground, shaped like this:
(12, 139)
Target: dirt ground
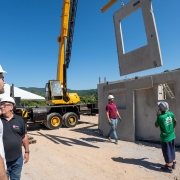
(82, 153)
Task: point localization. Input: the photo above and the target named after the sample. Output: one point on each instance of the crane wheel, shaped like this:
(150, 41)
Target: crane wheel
(54, 121)
(63, 123)
(70, 119)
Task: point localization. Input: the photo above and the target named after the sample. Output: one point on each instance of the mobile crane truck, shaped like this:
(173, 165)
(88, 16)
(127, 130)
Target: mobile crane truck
(62, 107)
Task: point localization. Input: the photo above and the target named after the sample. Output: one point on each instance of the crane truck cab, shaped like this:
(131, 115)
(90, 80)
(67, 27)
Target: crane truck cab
(54, 94)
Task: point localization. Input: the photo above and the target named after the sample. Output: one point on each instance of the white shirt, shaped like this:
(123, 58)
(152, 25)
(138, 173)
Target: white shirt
(1, 144)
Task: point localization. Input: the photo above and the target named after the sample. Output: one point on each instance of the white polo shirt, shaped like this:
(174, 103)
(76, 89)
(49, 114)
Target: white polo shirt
(1, 144)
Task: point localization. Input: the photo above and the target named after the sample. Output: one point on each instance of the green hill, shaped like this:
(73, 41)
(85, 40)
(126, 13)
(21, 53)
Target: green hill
(41, 91)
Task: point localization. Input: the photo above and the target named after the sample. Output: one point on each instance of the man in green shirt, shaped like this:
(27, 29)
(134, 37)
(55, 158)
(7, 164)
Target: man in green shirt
(166, 122)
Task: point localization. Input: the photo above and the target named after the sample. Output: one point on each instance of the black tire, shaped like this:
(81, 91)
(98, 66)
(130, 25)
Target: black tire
(63, 123)
(70, 119)
(54, 121)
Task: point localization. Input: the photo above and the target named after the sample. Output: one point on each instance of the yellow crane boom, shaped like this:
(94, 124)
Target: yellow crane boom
(56, 90)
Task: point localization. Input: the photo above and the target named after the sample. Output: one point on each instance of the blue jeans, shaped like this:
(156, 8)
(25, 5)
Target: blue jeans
(113, 125)
(14, 168)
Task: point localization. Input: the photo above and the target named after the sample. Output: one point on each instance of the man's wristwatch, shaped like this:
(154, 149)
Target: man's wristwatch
(27, 152)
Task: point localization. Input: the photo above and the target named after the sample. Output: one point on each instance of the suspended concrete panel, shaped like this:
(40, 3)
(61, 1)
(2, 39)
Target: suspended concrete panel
(143, 58)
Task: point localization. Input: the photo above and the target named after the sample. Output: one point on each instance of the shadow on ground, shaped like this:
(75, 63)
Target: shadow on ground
(64, 140)
(139, 162)
(38, 127)
(149, 144)
(89, 130)
(82, 122)
(93, 140)
(155, 144)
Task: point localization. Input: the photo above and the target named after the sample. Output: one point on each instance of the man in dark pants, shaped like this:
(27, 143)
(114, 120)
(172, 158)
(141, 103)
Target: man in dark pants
(167, 122)
(14, 135)
(112, 115)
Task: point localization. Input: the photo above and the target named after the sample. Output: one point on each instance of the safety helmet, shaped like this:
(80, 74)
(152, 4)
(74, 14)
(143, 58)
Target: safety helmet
(1, 70)
(8, 99)
(110, 97)
(164, 106)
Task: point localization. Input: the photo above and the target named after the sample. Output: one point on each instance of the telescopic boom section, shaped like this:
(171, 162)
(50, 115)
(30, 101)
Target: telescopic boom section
(63, 39)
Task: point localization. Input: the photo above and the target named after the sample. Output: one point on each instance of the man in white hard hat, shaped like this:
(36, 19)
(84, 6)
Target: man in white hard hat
(2, 80)
(2, 155)
(112, 115)
(166, 121)
(14, 135)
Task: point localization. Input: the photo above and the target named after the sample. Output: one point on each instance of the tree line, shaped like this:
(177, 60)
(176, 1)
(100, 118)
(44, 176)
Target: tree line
(86, 96)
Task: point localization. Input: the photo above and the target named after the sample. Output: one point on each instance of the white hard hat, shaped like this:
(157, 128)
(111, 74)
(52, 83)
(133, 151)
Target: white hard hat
(1, 70)
(110, 97)
(8, 99)
(164, 106)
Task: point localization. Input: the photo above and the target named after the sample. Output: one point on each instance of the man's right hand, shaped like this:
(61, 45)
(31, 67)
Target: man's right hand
(120, 119)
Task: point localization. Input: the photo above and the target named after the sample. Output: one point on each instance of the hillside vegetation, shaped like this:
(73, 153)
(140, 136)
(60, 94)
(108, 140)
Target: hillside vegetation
(86, 96)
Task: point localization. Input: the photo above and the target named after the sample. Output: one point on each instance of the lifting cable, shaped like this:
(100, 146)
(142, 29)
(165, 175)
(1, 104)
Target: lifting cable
(72, 19)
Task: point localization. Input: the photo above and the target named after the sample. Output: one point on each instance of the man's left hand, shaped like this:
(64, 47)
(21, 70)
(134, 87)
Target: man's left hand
(26, 158)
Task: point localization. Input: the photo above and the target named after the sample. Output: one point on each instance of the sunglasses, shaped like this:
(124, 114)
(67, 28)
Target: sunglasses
(2, 78)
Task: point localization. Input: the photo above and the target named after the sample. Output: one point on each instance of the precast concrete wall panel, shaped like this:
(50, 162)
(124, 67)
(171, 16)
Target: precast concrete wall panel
(136, 100)
(143, 58)
(145, 115)
(102, 100)
(123, 92)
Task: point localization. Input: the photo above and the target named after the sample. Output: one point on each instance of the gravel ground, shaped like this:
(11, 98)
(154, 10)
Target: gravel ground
(82, 153)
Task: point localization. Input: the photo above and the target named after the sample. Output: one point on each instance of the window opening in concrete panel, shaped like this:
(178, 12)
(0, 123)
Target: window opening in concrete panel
(133, 31)
(161, 92)
(166, 91)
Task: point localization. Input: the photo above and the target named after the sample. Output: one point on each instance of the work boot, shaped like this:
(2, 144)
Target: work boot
(116, 141)
(174, 165)
(109, 138)
(166, 168)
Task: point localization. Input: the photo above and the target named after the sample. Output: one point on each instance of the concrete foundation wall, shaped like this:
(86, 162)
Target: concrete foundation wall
(136, 100)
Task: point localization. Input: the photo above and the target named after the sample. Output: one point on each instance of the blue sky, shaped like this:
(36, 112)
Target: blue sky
(29, 50)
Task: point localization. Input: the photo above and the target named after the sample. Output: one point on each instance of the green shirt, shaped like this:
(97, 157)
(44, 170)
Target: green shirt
(166, 123)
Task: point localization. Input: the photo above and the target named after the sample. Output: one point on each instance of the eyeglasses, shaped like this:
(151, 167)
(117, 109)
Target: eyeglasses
(2, 78)
(4, 105)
